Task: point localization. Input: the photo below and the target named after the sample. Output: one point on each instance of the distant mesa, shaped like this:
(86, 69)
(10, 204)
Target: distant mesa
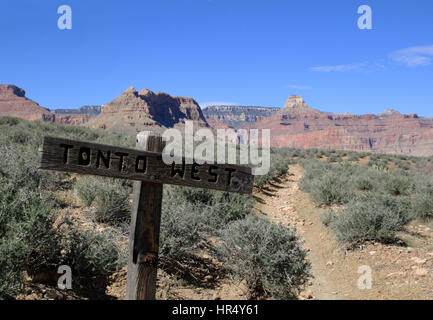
(220, 116)
(90, 110)
(295, 125)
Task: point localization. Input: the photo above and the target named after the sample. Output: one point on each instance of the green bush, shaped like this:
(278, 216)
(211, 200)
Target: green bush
(397, 184)
(327, 184)
(180, 225)
(332, 158)
(278, 167)
(422, 200)
(268, 256)
(218, 207)
(91, 253)
(371, 217)
(112, 202)
(364, 184)
(110, 196)
(86, 189)
(28, 241)
(327, 217)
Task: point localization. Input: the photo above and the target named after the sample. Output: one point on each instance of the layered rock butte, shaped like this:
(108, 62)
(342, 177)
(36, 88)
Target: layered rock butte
(300, 126)
(295, 125)
(130, 113)
(13, 102)
(134, 111)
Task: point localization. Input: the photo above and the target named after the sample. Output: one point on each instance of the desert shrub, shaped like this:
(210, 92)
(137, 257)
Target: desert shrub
(371, 217)
(193, 195)
(327, 184)
(364, 184)
(268, 256)
(90, 253)
(12, 257)
(422, 200)
(112, 202)
(377, 164)
(404, 165)
(354, 158)
(86, 190)
(180, 225)
(327, 217)
(278, 167)
(218, 207)
(28, 134)
(397, 184)
(332, 158)
(110, 196)
(227, 207)
(28, 241)
(332, 189)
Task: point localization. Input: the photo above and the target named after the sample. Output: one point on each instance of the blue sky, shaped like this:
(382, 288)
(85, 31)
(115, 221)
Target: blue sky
(243, 52)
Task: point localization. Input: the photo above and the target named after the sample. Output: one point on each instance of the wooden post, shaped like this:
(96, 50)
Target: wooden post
(147, 167)
(144, 232)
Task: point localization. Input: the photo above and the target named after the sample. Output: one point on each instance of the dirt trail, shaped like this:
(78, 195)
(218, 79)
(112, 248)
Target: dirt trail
(397, 272)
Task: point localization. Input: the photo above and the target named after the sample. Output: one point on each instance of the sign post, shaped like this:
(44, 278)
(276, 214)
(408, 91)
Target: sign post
(146, 167)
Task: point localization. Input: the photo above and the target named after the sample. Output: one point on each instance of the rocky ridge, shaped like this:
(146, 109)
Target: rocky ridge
(134, 111)
(13, 102)
(298, 125)
(236, 116)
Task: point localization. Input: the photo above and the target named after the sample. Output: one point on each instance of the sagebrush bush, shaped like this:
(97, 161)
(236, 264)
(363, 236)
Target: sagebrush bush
(327, 184)
(86, 189)
(278, 167)
(218, 207)
(91, 253)
(29, 241)
(371, 217)
(111, 198)
(332, 189)
(397, 184)
(113, 202)
(327, 217)
(268, 256)
(422, 200)
(180, 225)
(364, 184)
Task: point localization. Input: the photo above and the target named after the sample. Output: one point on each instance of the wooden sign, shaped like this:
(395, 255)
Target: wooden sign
(110, 161)
(147, 167)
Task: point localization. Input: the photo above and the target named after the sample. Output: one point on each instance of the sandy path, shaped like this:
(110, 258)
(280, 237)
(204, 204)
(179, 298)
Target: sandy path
(395, 270)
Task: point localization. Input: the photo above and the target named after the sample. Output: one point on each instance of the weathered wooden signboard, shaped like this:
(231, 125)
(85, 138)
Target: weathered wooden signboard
(103, 160)
(146, 166)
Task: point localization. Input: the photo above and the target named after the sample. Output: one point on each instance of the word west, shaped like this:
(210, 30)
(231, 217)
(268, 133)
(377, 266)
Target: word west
(65, 20)
(365, 21)
(199, 147)
(91, 158)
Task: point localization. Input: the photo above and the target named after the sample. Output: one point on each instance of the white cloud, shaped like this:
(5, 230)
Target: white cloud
(217, 103)
(339, 68)
(414, 56)
(298, 87)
